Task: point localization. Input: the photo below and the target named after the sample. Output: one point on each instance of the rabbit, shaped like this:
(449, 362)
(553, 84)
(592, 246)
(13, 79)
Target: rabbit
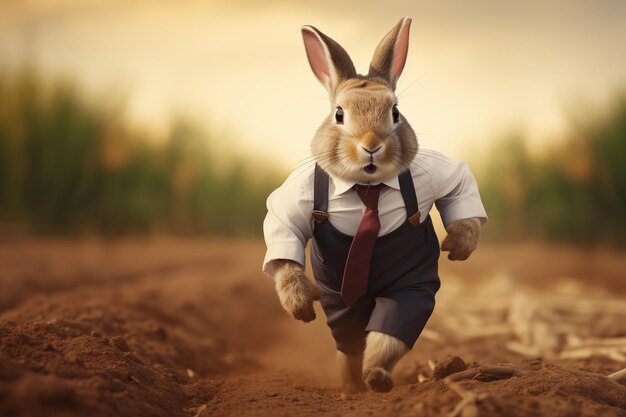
(364, 139)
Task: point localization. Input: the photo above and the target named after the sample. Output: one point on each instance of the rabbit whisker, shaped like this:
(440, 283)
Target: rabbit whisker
(410, 85)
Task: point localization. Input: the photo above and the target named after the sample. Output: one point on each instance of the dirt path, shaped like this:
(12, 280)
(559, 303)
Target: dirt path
(165, 327)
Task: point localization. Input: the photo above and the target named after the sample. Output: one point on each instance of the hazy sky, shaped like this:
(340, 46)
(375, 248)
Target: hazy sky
(475, 68)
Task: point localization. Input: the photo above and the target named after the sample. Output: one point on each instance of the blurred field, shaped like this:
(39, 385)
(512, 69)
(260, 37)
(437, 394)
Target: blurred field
(573, 190)
(71, 164)
(184, 327)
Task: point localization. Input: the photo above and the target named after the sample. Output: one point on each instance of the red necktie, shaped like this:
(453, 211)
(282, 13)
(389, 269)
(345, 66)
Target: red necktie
(356, 273)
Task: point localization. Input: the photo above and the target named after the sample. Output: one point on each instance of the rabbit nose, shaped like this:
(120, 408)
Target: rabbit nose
(370, 142)
(371, 151)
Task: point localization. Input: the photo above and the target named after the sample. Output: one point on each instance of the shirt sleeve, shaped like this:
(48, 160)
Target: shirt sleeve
(288, 225)
(456, 191)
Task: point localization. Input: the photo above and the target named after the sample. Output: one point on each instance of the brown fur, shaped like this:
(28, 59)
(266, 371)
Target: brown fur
(340, 65)
(367, 101)
(462, 238)
(295, 291)
(383, 55)
(350, 371)
(367, 112)
(382, 353)
(370, 141)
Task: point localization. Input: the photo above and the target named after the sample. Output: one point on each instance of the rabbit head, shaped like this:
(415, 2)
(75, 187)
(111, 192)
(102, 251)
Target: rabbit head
(364, 138)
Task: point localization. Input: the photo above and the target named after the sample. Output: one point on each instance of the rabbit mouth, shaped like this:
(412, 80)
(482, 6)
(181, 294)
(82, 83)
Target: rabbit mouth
(370, 169)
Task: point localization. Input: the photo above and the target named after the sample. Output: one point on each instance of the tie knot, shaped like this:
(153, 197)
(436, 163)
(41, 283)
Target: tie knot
(369, 195)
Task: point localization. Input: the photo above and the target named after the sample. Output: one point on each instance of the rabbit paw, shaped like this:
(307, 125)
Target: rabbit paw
(296, 294)
(462, 238)
(378, 379)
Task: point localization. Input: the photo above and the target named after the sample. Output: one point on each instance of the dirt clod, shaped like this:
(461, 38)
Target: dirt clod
(120, 343)
(449, 366)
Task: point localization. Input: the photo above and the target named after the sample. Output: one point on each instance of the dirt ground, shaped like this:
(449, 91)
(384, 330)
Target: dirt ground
(180, 327)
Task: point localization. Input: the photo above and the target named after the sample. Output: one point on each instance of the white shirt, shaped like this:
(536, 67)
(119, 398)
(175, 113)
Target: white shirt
(438, 179)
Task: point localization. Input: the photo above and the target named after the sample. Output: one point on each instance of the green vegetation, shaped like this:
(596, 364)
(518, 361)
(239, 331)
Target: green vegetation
(68, 165)
(574, 192)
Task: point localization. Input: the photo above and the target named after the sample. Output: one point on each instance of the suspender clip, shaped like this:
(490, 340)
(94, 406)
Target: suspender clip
(319, 216)
(415, 219)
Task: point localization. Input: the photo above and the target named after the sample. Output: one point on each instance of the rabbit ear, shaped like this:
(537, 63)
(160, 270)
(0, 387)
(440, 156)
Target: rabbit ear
(329, 61)
(390, 55)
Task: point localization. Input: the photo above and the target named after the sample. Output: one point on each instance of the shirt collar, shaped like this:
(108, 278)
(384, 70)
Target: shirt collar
(342, 185)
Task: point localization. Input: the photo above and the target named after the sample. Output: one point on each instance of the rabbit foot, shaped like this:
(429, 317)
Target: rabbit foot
(382, 352)
(378, 379)
(350, 372)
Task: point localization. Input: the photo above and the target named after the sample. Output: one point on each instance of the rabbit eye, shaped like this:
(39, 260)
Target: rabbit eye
(395, 113)
(339, 115)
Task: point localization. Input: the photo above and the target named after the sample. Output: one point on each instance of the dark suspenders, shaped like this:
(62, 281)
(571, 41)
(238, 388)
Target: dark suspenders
(407, 188)
(320, 196)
